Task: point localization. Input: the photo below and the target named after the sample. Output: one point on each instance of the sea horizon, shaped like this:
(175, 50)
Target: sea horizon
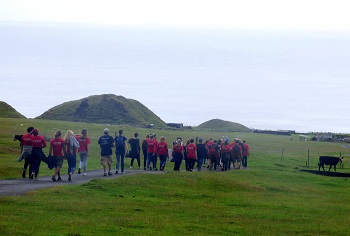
(269, 80)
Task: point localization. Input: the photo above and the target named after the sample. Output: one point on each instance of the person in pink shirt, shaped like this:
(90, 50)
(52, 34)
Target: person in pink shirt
(84, 142)
(58, 151)
(38, 143)
(162, 150)
(191, 155)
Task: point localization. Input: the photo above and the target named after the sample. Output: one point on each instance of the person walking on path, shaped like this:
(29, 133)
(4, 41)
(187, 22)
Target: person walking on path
(201, 154)
(191, 155)
(83, 150)
(162, 151)
(26, 151)
(106, 143)
(38, 143)
(58, 150)
(155, 155)
(213, 153)
(225, 155)
(151, 149)
(134, 152)
(120, 151)
(236, 154)
(71, 145)
(177, 155)
(144, 147)
(245, 154)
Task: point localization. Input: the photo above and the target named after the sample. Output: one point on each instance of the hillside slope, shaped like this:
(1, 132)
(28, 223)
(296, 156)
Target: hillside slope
(7, 111)
(222, 125)
(104, 109)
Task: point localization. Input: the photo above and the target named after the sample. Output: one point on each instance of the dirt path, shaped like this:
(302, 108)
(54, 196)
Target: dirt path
(18, 187)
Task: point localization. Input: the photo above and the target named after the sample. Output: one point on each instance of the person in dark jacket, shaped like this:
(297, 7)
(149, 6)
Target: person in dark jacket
(201, 154)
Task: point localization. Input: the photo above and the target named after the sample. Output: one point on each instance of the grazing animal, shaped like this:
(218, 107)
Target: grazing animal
(19, 138)
(328, 160)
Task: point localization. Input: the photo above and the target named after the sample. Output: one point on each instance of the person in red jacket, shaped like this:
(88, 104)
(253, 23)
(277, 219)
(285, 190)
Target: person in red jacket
(191, 155)
(245, 154)
(151, 150)
(84, 142)
(58, 150)
(38, 143)
(162, 151)
(236, 154)
(225, 155)
(26, 151)
(177, 155)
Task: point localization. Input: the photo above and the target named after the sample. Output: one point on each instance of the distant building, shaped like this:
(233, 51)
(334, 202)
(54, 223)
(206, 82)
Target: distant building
(323, 137)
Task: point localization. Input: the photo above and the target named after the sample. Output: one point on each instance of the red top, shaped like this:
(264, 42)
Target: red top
(152, 146)
(83, 143)
(208, 144)
(57, 146)
(225, 148)
(191, 151)
(26, 140)
(162, 148)
(38, 141)
(178, 149)
(246, 149)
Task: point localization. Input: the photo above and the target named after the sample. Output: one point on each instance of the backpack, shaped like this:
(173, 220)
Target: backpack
(236, 148)
(120, 142)
(212, 149)
(144, 145)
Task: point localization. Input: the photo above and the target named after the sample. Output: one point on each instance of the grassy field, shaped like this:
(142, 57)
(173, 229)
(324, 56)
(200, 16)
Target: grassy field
(271, 197)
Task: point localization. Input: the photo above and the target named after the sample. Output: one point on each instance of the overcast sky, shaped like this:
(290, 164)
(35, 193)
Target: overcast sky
(247, 14)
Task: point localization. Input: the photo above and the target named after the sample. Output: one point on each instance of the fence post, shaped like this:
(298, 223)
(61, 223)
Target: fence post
(282, 154)
(308, 158)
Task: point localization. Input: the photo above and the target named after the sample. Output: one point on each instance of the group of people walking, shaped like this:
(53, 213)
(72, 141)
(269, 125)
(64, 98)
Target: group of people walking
(32, 145)
(216, 153)
(211, 153)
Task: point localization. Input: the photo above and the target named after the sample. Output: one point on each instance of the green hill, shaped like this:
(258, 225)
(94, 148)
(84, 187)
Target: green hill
(222, 125)
(104, 109)
(6, 111)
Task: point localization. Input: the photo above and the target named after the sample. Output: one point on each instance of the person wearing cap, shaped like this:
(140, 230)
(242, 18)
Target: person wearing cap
(38, 143)
(201, 154)
(83, 150)
(106, 143)
(57, 148)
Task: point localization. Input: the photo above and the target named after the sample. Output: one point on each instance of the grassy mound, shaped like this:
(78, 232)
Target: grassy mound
(7, 111)
(104, 109)
(222, 125)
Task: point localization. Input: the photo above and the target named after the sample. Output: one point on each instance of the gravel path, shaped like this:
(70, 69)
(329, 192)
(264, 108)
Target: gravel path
(18, 187)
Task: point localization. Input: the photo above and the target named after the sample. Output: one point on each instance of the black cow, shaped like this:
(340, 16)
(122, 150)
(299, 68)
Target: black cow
(328, 160)
(19, 138)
